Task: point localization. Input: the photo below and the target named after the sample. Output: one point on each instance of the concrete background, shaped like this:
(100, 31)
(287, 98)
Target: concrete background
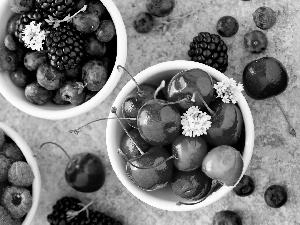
(276, 156)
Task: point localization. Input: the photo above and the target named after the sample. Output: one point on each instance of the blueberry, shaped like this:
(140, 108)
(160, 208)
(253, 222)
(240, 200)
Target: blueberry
(227, 217)
(143, 22)
(96, 7)
(10, 42)
(264, 18)
(160, 8)
(255, 41)
(21, 76)
(227, 26)
(21, 6)
(36, 94)
(73, 92)
(74, 73)
(50, 77)
(8, 60)
(57, 98)
(94, 47)
(245, 187)
(33, 60)
(275, 196)
(86, 22)
(106, 31)
(94, 75)
(11, 24)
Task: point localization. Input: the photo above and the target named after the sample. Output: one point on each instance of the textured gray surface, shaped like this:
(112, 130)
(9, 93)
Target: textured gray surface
(276, 155)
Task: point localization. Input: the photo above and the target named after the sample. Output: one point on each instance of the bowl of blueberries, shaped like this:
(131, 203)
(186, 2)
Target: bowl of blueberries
(58, 59)
(182, 137)
(20, 180)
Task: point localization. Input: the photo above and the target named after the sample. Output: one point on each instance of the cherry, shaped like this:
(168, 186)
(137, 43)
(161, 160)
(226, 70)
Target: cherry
(190, 82)
(84, 171)
(152, 170)
(189, 151)
(223, 163)
(226, 126)
(191, 185)
(159, 122)
(130, 142)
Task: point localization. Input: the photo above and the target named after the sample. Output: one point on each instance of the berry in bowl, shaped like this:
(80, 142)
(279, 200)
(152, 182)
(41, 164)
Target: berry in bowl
(20, 181)
(58, 58)
(183, 137)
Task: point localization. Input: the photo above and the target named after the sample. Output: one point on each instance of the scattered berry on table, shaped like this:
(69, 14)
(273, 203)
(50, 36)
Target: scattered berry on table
(70, 205)
(143, 22)
(17, 201)
(20, 174)
(160, 8)
(264, 18)
(245, 187)
(209, 49)
(226, 217)
(275, 196)
(255, 41)
(227, 26)
(64, 45)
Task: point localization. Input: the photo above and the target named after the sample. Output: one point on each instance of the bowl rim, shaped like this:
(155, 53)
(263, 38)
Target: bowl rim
(177, 65)
(29, 156)
(69, 111)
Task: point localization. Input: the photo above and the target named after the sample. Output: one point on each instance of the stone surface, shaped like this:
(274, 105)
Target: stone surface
(276, 153)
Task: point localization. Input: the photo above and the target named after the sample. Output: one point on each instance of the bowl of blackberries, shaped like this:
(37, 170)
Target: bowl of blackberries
(180, 135)
(58, 58)
(20, 181)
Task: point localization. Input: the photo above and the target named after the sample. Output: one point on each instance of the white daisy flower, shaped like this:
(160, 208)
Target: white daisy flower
(195, 122)
(228, 90)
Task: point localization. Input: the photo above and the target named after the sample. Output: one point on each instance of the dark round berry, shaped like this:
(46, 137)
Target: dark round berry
(106, 31)
(56, 8)
(36, 94)
(21, 76)
(264, 18)
(255, 41)
(143, 22)
(160, 8)
(245, 187)
(275, 196)
(209, 49)
(227, 26)
(227, 217)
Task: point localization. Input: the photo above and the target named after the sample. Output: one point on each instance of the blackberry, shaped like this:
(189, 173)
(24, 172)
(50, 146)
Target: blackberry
(56, 8)
(67, 204)
(64, 46)
(25, 19)
(209, 49)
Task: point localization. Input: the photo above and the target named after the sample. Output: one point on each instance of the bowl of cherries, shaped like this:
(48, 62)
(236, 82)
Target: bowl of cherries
(58, 58)
(183, 135)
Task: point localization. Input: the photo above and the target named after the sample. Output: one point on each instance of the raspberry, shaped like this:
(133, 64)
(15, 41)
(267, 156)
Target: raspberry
(64, 45)
(209, 49)
(57, 8)
(71, 204)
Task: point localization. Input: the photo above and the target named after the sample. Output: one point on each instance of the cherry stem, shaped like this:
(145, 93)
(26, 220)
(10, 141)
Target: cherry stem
(78, 129)
(144, 168)
(50, 142)
(124, 128)
(71, 214)
(160, 87)
(139, 92)
(292, 131)
(202, 199)
(211, 112)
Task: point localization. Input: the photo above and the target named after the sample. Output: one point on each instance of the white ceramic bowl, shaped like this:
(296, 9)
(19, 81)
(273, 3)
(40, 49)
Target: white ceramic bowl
(28, 154)
(164, 198)
(15, 95)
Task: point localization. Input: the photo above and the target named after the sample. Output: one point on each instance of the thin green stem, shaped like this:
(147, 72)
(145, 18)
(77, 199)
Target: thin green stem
(50, 142)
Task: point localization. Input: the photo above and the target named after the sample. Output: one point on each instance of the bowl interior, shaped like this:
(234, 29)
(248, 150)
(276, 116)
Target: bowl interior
(15, 95)
(36, 186)
(164, 198)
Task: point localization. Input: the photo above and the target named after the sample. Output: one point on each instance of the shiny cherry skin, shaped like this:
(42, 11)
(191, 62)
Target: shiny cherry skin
(226, 126)
(189, 152)
(134, 101)
(151, 179)
(159, 123)
(85, 172)
(189, 82)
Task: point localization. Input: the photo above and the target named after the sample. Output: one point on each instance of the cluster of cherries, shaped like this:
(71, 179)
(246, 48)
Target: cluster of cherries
(182, 135)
